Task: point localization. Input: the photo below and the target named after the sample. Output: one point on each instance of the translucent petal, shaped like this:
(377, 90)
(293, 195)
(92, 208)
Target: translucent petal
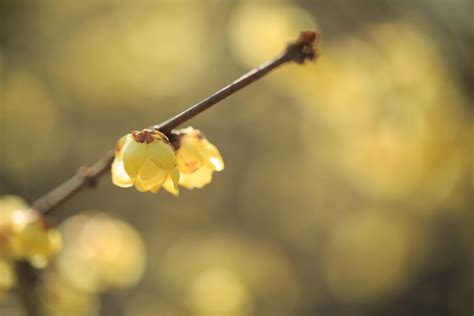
(122, 143)
(148, 170)
(175, 174)
(140, 186)
(152, 184)
(218, 163)
(212, 156)
(133, 158)
(171, 183)
(197, 179)
(156, 189)
(162, 154)
(119, 176)
(188, 156)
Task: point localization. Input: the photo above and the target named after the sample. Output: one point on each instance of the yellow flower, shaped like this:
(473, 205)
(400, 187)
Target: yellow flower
(196, 158)
(8, 203)
(24, 234)
(146, 160)
(36, 242)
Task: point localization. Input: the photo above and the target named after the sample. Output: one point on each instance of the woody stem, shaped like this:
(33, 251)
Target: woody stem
(298, 51)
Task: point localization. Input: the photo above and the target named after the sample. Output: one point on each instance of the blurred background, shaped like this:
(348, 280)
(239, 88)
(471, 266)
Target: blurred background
(348, 182)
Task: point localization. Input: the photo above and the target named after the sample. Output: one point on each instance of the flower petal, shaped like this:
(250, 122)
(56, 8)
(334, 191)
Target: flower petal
(171, 183)
(162, 154)
(148, 170)
(122, 143)
(197, 179)
(152, 184)
(134, 157)
(212, 156)
(188, 157)
(119, 176)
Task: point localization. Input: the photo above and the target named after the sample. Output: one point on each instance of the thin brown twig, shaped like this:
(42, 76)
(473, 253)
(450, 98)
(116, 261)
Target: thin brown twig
(297, 51)
(84, 177)
(27, 281)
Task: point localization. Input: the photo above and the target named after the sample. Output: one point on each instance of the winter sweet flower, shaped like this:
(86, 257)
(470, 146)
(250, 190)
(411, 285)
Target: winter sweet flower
(24, 234)
(196, 158)
(145, 159)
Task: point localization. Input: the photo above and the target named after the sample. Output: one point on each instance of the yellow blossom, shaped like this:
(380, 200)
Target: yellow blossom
(197, 158)
(145, 160)
(8, 203)
(24, 234)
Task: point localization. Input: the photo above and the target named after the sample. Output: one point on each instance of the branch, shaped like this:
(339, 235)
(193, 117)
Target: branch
(297, 51)
(27, 281)
(84, 177)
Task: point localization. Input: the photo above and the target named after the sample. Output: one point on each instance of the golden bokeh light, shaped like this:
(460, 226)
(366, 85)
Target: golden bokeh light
(91, 62)
(61, 297)
(10, 202)
(383, 98)
(25, 235)
(359, 267)
(100, 253)
(259, 31)
(219, 291)
(219, 275)
(28, 121)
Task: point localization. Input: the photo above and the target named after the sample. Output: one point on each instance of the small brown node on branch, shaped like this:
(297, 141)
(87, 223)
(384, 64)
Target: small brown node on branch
(303, 48)
(88, 174)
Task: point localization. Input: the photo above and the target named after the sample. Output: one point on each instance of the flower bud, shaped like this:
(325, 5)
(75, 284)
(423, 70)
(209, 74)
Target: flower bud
(146, 160)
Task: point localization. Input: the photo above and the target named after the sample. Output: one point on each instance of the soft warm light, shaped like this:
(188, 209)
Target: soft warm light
(218, 290)
(371, 255)
(142, 49)
(101, 253)
(258, 31)
(25, 235)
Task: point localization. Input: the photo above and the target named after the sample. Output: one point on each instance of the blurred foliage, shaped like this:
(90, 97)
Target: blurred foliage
(348, 183)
